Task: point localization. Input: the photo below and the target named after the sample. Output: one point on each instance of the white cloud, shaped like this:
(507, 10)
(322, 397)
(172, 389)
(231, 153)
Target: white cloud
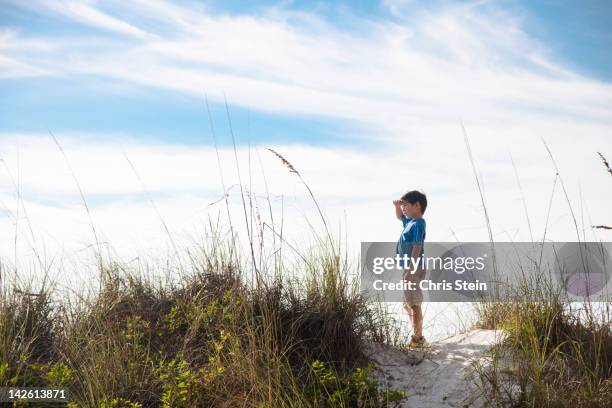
(11, 68)
(398, 7)
(358, 185)
(471, 62)
(86, 13)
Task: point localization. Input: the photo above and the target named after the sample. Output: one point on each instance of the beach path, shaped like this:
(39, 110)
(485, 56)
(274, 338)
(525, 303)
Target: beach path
(439, 376)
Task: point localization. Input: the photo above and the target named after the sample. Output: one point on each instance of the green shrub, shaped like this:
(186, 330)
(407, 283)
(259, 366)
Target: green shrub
(358, 389)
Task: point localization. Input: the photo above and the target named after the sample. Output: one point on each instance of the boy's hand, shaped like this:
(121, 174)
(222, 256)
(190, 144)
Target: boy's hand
(398, 209)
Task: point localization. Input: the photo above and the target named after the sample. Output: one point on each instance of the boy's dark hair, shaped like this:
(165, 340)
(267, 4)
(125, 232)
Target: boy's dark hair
(416, 197)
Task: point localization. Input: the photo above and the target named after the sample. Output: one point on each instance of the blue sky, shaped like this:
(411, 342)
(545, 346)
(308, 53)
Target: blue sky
(85, 106)
(577, 32)
(570, 33)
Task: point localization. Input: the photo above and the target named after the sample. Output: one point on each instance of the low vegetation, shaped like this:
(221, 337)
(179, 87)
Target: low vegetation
(555, 353)
(210, 340)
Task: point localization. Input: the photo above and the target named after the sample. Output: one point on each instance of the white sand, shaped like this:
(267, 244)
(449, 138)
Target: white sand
(440, 376)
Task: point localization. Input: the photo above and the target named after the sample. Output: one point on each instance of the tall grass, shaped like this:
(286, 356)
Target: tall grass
(208, 340)
(555, 352)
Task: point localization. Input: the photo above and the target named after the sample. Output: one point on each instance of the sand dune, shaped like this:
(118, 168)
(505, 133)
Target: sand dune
(440, 376)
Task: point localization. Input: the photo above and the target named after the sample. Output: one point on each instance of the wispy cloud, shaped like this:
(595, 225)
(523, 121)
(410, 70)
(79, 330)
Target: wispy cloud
(469, 61)
(86, 12)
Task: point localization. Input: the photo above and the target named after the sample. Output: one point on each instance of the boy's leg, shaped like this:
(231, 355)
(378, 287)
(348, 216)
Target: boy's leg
(410, 312)
(417, 320)
(412, 303)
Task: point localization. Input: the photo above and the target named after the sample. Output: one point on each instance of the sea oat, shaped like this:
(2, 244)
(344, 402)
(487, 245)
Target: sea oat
(312, 196)
(605, 162)
(285, 161)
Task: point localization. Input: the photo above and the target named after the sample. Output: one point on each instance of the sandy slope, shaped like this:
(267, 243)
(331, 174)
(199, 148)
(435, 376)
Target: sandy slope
(441, 376)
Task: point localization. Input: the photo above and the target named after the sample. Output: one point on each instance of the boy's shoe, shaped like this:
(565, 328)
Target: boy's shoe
(417, 342)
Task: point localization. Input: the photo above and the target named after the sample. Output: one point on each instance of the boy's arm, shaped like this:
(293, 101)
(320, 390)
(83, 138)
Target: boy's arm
(416, 251)
(398, 209)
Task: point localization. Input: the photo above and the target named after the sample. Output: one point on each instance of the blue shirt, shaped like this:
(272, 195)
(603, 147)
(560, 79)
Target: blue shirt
(413, 233)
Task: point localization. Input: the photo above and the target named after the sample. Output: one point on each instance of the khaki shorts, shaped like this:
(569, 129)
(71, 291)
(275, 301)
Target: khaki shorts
(414, 297)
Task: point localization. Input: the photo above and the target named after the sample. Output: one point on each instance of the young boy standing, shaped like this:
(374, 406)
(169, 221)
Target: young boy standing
(409, 209)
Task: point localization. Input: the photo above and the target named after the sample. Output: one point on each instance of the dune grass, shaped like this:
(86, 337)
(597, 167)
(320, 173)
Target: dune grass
(554, 352)
(209, 340)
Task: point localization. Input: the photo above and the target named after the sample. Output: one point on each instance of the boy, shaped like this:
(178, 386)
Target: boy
(409, 209)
